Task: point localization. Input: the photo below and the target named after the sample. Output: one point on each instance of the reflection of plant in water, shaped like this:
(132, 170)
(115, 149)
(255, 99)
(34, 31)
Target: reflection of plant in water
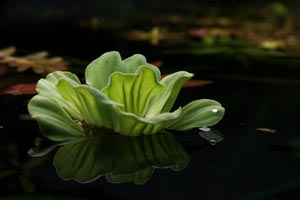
(118, 158)
(212, 135)
(126, 96)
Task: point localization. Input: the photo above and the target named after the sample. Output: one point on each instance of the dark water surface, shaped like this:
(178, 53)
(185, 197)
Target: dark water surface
(248, 164)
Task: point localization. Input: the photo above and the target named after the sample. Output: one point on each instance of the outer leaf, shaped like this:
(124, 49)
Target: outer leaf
(94, 107)
(198, 113)
(131, 64)
(56, 76)
(98, 72)
(53, 121)
(133, 90)
(47, 87)
(131, 125)
(164, 101)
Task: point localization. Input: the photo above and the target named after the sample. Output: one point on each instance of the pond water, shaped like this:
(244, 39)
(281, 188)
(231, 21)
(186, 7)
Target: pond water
(258, 158)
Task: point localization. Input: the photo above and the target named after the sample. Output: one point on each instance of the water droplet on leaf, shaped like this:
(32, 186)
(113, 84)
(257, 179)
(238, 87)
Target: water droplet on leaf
(214, 110)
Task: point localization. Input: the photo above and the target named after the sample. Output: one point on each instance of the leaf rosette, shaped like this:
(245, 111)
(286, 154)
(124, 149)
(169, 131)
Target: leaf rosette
(128, 97)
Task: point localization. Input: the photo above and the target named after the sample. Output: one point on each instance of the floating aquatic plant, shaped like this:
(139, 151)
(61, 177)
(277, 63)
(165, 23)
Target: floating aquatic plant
(127, 96)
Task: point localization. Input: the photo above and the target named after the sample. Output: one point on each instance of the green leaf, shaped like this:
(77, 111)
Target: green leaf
(47, 87)
(94, 107)
(132, 64)
(164, 101)
(133, 90)
(199, 113)
(68, 76)
(53, 121)
(131, 125)
(97, 73)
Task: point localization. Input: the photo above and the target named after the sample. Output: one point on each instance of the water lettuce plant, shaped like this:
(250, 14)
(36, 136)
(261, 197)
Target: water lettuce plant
(128, 97)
